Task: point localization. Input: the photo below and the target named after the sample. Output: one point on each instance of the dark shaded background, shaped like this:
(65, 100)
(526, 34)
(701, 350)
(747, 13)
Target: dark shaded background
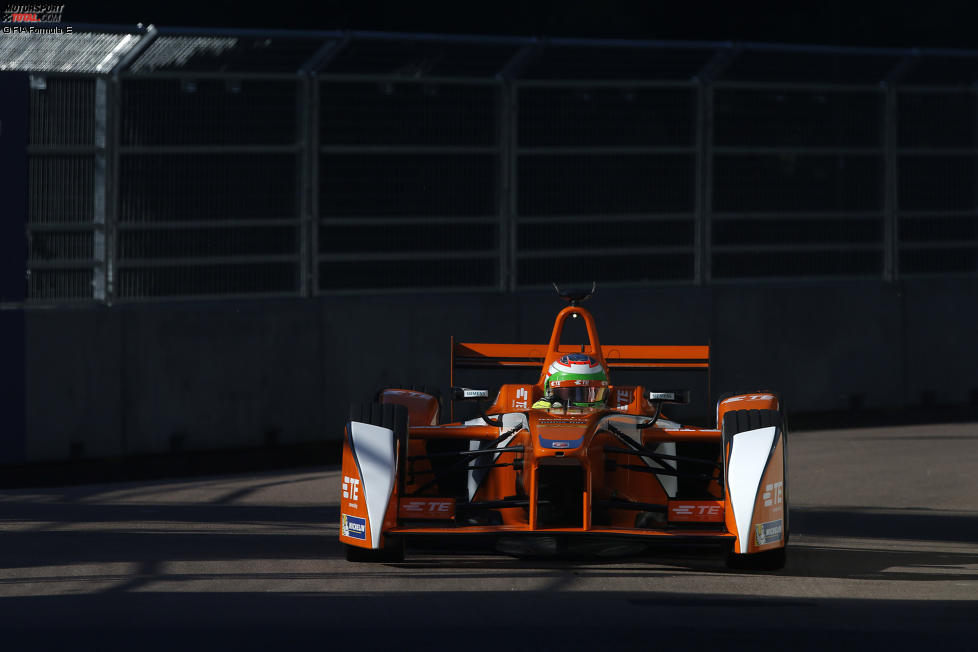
(148, 358)
(831, 22)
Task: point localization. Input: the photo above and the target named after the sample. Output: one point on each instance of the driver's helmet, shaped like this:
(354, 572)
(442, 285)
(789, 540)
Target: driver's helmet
(577, 379)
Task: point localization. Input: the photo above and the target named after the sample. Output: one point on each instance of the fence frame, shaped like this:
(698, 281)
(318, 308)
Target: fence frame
(313, 77)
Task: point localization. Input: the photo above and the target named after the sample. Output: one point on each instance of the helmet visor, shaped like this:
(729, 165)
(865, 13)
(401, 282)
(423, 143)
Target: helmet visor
(580, 395)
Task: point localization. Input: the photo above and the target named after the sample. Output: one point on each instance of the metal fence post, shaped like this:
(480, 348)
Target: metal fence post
(502, 192)
(114, 142)
(507, 185)
(101, 197)
(699, 242)
(313, 171)
(974, 143)
(891, 270)
(704, 206)
(305, 183)
(312, 147)
(509, 153)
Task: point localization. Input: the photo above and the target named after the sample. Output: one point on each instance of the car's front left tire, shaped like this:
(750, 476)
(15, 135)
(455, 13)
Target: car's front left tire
(392, 552)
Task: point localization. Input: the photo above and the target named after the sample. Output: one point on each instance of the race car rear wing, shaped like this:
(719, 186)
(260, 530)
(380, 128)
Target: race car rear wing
(481, 355)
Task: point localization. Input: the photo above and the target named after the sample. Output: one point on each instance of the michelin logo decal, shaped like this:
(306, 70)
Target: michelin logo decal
(765, 533)
(353, 527)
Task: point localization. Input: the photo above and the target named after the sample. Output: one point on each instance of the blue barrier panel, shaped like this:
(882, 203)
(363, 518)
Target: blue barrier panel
(13, 263)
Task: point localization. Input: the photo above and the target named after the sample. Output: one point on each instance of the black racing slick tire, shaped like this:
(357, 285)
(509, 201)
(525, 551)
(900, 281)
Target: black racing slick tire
(424, 389)
(768, 560)
(386, 415)
(740, 421)
(395, 418)
(392, 552)
(434, 392)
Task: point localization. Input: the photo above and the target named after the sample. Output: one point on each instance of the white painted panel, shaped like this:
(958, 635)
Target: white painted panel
(510, 421)
(373, 448)
(749, 453)
(669, 482)
(629, 428)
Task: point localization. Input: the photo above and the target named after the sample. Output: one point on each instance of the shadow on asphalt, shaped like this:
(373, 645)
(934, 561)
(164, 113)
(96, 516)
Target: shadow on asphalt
(309, 532)
(153, 608)
(478, 621)
(898, 524)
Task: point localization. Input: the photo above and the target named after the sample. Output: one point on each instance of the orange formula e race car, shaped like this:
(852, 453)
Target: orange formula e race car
(570, 463)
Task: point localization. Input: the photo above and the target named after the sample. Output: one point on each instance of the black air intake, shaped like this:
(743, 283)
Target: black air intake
(560, 496)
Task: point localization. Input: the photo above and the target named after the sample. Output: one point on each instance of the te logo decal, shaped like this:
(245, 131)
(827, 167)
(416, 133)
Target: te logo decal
(439, 508)
(522, 397)
(702, 511)
(351, 488)
(773, 494)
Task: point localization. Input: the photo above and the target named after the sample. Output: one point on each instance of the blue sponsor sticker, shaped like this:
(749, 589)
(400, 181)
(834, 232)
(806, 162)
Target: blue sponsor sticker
(765, 533)
(354, 527)
(560, 443)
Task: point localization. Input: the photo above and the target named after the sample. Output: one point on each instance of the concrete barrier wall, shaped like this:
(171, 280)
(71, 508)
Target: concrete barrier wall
(135, 379)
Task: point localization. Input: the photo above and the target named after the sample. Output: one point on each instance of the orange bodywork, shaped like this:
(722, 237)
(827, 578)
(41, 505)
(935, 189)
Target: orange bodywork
(552, 440)
(611, 356)
(353, 510)
(525, 470)
(769, 504)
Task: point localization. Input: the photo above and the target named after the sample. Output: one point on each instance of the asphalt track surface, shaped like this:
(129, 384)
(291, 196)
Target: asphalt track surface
(884, 552)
